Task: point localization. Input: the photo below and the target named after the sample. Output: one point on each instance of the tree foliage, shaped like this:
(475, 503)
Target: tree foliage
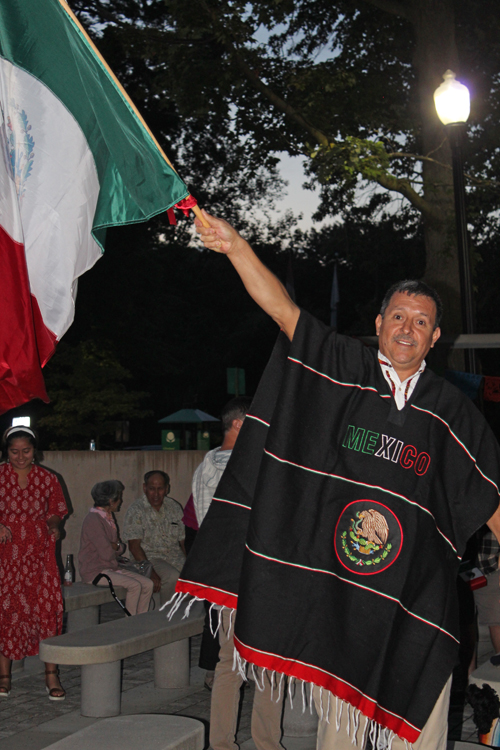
(346, 83)
(226, 87)
(88, 391)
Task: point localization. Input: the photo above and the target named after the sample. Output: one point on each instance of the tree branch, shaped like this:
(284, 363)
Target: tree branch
(404, 188)
(419, 157)
(278, 102)
(394, 7)
(387, 181)
(416, 157)
(254, 79)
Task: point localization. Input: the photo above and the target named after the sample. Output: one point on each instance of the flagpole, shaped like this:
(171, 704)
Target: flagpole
(117, 83)
(197, 212)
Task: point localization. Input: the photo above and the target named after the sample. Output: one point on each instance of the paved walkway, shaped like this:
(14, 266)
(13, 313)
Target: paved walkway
(29, 721)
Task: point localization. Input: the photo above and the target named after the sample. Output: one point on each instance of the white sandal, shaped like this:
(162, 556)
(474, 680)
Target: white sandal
(4, 691)
(52, 691)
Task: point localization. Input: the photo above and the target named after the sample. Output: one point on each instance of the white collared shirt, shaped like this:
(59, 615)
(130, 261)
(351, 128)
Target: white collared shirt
(400, 390)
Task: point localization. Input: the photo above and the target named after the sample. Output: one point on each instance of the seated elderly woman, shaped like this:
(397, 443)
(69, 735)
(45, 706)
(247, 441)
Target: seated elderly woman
(100, 548)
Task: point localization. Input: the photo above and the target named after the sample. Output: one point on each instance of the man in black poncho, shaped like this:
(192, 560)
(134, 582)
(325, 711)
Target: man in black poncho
(368, 473)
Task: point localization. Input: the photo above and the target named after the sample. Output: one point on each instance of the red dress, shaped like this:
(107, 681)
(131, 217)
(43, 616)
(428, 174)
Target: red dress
(31, 603)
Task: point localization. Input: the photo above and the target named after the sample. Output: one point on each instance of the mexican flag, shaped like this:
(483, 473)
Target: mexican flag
(75, 158)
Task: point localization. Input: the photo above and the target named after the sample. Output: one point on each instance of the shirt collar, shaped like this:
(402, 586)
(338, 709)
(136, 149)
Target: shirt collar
(103, 514)
(385, 364)
(401, 391)
(149, 507)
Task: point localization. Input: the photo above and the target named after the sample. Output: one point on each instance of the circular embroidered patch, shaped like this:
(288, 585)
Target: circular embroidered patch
(368, 537)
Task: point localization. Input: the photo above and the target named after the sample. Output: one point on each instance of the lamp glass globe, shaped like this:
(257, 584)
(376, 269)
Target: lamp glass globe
(452, 100)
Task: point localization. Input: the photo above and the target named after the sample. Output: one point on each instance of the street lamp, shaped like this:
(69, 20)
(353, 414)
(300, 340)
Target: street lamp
(452, 102)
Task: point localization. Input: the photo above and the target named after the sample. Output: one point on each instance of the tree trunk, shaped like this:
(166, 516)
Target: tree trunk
(436, 52)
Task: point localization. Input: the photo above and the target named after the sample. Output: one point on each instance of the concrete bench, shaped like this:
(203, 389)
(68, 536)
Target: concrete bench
(82, 601)
(140, 730)
(100, 649)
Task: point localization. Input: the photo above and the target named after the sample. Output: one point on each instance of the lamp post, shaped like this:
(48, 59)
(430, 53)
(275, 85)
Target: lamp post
(452, 102)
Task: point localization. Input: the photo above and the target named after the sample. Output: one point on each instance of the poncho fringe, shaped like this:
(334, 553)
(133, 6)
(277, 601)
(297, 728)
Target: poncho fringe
(380, 737)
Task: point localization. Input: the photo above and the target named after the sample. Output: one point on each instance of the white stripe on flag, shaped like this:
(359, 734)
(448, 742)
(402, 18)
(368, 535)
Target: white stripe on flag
(57, 190)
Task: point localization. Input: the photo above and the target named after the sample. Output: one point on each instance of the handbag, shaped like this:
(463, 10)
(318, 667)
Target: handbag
(143, 567)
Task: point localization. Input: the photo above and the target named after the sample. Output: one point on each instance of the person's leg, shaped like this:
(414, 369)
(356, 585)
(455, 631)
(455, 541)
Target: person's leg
(5, 672)
(433, 735)
(168, 575)
(435, 732)
(209, 649)
(146, 592)
(127, 581)
(328, 738)
(487, 601)
(52, 682)
(225, 691)
(495, 637)
(267, 712)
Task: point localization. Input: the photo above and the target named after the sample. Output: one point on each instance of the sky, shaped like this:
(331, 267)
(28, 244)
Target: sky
(297, 199)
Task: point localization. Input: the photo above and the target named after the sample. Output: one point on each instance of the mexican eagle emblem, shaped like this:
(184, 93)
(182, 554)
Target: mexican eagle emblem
(368, 537)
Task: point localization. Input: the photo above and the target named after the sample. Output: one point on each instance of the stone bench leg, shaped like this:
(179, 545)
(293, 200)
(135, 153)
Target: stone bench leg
(172, 665)
(82, 618)
(101, 689)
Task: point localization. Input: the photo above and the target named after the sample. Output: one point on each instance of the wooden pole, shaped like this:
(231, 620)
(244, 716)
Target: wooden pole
(197, 212)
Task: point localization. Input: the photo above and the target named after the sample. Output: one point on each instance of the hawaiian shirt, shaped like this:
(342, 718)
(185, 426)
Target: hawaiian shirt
(160, 531)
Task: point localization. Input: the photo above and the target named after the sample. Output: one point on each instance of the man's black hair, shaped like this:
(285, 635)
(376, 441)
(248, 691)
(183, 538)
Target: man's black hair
(416, 288)
(237, 408)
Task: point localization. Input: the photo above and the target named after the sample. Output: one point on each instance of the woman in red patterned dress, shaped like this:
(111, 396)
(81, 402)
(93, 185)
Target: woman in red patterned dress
(31, 605)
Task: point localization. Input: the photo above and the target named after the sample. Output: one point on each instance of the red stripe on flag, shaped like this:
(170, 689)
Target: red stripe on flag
(26, 344)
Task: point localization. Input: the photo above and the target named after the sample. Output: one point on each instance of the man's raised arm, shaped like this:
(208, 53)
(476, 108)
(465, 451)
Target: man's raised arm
(260, 283)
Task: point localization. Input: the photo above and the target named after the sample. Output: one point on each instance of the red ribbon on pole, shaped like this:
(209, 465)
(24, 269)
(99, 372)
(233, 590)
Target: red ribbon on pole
(185, 205)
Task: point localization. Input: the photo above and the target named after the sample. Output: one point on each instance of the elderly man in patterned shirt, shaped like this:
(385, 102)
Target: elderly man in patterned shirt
(154, 531)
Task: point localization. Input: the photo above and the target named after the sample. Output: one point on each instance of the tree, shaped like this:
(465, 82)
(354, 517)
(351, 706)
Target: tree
(363, 112)
(86, 385)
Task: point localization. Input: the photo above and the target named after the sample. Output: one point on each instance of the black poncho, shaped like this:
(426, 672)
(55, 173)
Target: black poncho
(338, 526)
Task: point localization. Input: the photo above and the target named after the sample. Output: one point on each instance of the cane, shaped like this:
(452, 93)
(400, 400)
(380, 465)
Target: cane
(113, 593)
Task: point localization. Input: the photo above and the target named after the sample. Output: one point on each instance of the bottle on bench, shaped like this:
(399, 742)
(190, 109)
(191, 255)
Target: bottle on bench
(68, 571)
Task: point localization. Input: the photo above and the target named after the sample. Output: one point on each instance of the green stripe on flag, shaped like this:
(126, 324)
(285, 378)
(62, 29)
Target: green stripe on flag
(135, 180)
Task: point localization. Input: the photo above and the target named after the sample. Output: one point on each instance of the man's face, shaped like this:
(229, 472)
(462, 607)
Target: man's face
(406, 332)
(155, 490)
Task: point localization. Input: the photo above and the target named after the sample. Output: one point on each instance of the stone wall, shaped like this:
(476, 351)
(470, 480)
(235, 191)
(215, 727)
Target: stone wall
(78, 471)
